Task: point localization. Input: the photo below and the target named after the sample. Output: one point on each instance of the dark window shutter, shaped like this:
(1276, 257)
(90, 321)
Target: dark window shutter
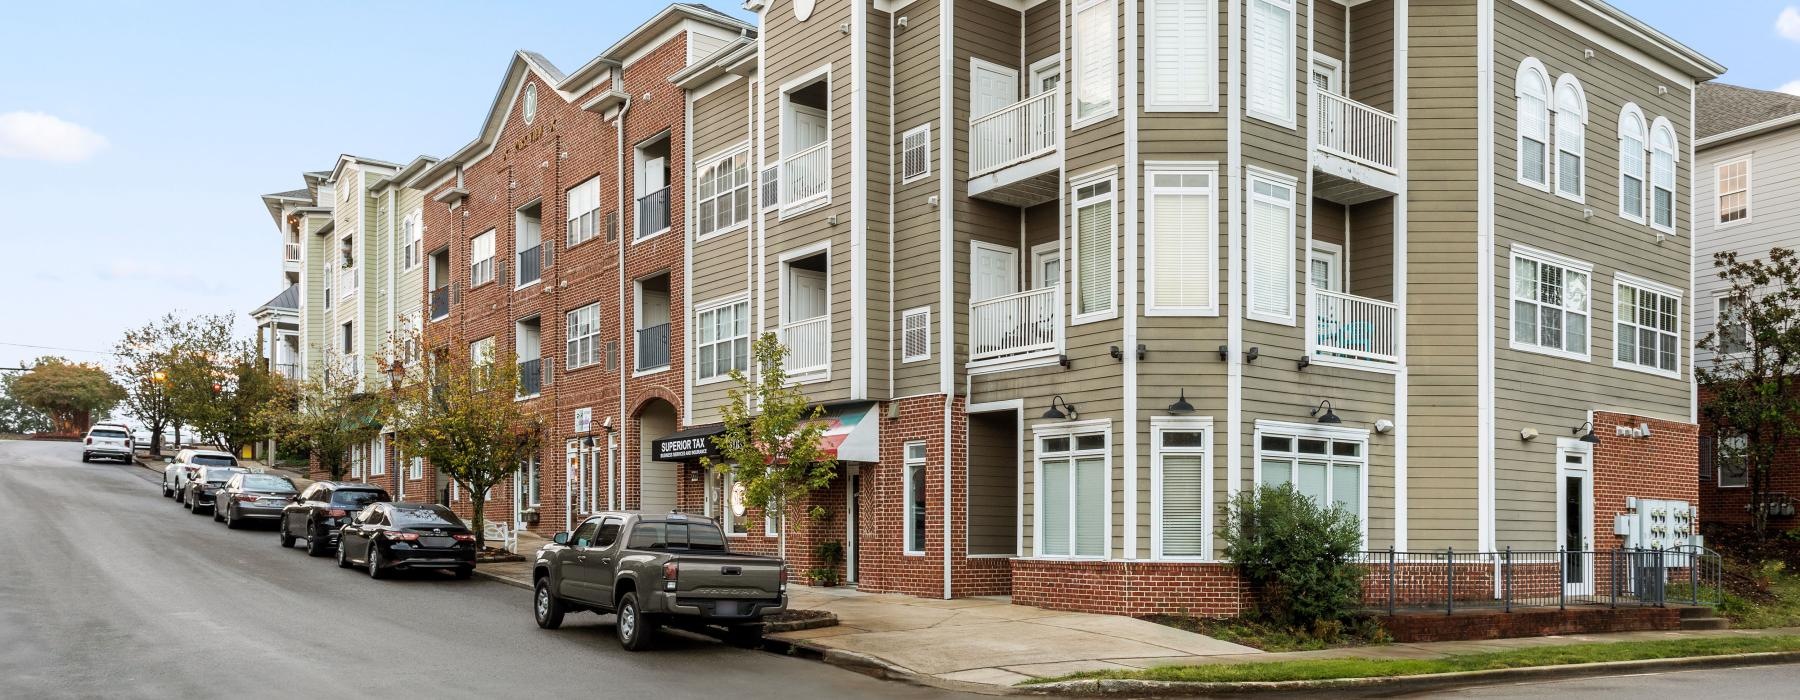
(612, 226)
(1708, 453)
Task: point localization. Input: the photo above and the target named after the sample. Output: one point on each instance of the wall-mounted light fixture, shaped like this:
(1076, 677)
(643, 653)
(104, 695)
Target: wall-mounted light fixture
(1588, 428)
(1528, 434)
(1054, 414)
(1181, 407)
(1116, 353)
(1224, 352)
(1384, 426)
(1251, 354)
(1330, 417)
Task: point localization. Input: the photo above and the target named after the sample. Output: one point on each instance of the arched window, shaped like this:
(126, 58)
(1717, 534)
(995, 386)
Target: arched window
(1533, 90)
(1634, 139)
(1571, 146)
(1663, 156)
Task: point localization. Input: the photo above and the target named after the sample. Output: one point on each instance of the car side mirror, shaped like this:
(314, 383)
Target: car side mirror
(560, 538)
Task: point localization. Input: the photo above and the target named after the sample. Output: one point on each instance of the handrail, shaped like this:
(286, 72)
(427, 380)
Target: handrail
(1354, 130)
(1015, 133)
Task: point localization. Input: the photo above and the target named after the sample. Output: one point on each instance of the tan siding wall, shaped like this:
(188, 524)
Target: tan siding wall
(723, 265)
(1371, 65)
(915, 245)
(1371, 249)
(1774, 214)
(1330, 27)
(993, 482)
(881, 133)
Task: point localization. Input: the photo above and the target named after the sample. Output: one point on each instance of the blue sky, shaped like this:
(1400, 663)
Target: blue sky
(135, 137)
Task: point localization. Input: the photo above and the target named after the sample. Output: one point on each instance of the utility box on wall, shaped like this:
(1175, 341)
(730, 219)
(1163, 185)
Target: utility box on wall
(1658, 524)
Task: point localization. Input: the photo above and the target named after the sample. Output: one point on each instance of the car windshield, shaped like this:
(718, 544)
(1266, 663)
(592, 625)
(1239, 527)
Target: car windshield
(268, 482)
(356, 497)
(213, 460)
(425, 516)
(219, 474)
(115, 434)
(672, 535)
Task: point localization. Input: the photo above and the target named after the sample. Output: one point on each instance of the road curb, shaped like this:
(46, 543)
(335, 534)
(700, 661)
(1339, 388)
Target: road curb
(1405, 684)
(876, 667)
(515, 583)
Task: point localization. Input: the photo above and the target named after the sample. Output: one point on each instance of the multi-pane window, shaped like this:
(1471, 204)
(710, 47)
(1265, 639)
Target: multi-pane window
(481, 257)
(915, 497)
(1329, 467)
(1533, 90)
(415, 469)
(915, 154)
(583, 211)
(1183, 248)
(1183, 478)
(1094, 248)
(378, 456)
(481, 352)
(412, 230)
(723, 192)
(582, 328)
(1662, 175)
(1550, 304)
(1072, 494)
(915, 334)
(1633, 148)
(723, 342)
(1648, 320)
(1270, 75)
(1731, 326)
(1730, 456)
(1179, 55)
(533, 487)
(1571, 139)
(1096, 75)
(1271, 249)
(1733, 184)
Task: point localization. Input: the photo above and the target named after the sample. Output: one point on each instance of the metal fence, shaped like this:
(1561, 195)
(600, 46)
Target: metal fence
(1450, 580)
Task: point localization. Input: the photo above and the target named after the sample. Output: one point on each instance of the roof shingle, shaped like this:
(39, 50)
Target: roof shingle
(1722, 108)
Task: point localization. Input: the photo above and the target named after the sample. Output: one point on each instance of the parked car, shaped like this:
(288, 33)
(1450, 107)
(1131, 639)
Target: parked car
(186, 463)
(406, 536)
(321, 509)
(653, 570)
(200, 492)
(106, 440)
(252, 497)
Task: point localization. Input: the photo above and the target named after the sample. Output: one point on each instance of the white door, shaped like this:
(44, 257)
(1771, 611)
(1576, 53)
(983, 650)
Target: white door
(809, 294)
(1046, 265)
(992, 87)
(1327, 75)
(1575, 516)
(1327, 267)
(1045, 75)
(810, 128)
(993, 271)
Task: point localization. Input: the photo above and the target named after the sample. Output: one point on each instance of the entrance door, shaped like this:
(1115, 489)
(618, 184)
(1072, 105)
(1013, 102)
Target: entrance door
(1327, 269)
(809, 299)
(1327, 75)
(993, 87)
(852, 500)
(1575, 516)
(993, 271)
(1045, 75)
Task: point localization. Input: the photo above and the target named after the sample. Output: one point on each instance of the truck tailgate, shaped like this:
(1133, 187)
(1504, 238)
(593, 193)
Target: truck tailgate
(748, 577)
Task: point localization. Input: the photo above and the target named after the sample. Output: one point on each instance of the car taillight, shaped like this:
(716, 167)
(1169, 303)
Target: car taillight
(402, 536)
(336, 513)
(89, 441)
(464, 537)
(244, 498)
(784, 577)
(671, 573)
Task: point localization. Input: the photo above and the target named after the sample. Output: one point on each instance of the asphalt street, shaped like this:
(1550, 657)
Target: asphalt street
(1736, 683)
(107, 589)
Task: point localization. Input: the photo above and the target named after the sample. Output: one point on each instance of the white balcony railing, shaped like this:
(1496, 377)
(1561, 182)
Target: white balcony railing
(1353, 130)
(808, 344)
(1015, 324)
(1015, 133)
(292, 252)
(806, 175)
(1350, 327)
(346, 283)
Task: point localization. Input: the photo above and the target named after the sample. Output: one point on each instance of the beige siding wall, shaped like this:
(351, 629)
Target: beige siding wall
(913, 259)
(882, 139)
(1774, 215)
(993, 482)
(1371, 65)
(723, 263)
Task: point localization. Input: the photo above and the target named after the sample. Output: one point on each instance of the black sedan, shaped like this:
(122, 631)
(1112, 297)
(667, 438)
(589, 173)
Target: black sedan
(406, 536)
(248, 497)
(197, 494)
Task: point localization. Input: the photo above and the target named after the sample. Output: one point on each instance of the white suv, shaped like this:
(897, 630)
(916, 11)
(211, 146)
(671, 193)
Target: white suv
(106, 440)
(187, 463)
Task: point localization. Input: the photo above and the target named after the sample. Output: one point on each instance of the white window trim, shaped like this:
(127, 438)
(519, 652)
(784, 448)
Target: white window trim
(1556, 151)
(598, 224)
(1111, 311)
(909, 464)
(1622, 279)
(416, 220)
(493, 258)
(1643, 173)
(926, 310)
(905, 179)
(1037, 68)
(1070, 429)
(1749, 191)
(1663, 124)
(1718, 323)
(378, 456)
(637, 178)
(783, 266)
(750, 183)
(1073, 78)
(1211, 170)
(415, 468)
(1253, 174)
(1532, 66)
(1158, 425)
(599, 351)
(1291, 119)
(786, 209)
(1719, 470)
(1314, 430)
(714, 305)
(1544, 257)
(518, 221)
(1208, 75)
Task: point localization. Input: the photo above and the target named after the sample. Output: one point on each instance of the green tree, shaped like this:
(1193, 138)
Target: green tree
(770, 444)
(143, 359)
(1299, 555)
(69, 393)
(199, 375)
(1752, 401)
(465, 420)
(16, 417)
(325, 414)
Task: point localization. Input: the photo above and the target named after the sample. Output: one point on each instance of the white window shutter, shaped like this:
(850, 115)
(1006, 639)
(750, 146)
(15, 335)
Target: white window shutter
(1094, 242)
(1181, 72)
(915, 335)
(1271, 259)
(1182, 270)
(1270, 76)
(915, 158)
(1184, 505)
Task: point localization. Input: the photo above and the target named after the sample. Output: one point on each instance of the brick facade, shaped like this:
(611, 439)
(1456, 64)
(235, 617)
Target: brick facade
(1661, 466)
(1730, 505)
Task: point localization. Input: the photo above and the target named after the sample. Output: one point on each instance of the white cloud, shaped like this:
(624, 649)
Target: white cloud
(1788, 23)
(39, 136)
(1792, 87)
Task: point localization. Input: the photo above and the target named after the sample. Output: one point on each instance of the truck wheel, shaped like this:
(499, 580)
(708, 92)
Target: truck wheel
(545, 606)
(635, 627)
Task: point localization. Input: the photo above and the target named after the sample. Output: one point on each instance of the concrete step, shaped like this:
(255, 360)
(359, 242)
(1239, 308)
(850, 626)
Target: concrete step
(1691, 611)
(1705, 623)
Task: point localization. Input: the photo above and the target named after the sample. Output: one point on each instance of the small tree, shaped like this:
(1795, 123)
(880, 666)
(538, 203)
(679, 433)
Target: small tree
(15, 416)
(143, 358)
(199, 380)
(1752, 380)
(464, 419)
(1297, 554)
(326, 413)
(770, 444)
(69, 393)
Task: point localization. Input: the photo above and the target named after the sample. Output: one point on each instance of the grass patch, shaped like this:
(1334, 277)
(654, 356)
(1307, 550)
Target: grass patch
(1326, 669)
(1268, 637)
(1748, 607)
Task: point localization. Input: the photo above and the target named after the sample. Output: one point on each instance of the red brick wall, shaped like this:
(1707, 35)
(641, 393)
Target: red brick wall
(1130, 587)
(1730, 505)
(1426, 627)
(1661, 466)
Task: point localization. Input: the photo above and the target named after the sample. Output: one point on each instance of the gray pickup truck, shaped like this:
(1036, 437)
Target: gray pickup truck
(653, 570)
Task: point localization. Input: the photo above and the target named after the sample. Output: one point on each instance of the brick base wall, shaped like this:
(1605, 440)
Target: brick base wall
(1662, 466)
(1535, 622)
(1130, 588)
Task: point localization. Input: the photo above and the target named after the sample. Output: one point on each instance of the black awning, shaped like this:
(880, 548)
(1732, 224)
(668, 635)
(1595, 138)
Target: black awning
(686, 445)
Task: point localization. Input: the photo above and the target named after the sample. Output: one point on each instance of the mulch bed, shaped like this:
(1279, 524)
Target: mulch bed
(491, 555)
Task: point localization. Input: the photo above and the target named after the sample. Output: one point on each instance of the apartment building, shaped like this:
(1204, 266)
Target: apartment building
(1743, 204)
(281, 336)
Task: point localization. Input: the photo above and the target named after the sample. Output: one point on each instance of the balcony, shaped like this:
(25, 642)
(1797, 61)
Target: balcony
(1015, 151)
(806, 176)
(440, 302)
(346, 281)
(809, 347)
(1357, 155)
(292, 252)
(288, 370)
(653, 347)
(533, 376)
(1348, 329)
(652, 213)
(1014, 326)
(531, 264)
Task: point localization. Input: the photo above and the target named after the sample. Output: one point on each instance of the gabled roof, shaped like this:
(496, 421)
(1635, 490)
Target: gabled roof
(522, 63)
(1722, 109)
(1633, 32)
(346, 159)
(287, 300)
(417, 166)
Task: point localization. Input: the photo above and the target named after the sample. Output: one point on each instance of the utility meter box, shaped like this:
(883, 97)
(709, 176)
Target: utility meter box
(1659, 524)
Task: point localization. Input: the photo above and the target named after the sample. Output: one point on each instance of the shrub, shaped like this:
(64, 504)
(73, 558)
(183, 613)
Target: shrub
(1298, 555)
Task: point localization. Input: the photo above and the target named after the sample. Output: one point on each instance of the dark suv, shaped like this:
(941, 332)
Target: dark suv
(321, 509)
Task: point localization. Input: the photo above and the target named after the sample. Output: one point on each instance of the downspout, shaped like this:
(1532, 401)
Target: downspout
(619, 193)
(946, 253)
(395, 466)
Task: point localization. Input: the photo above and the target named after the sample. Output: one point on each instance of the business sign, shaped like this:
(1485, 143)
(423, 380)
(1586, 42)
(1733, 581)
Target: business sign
(584, 420)
(682, 448)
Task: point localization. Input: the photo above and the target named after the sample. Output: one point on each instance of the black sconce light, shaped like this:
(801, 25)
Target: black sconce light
(1251, 354)
(1330, 416)
(1590, 438)
(1116, 353)
(1224, 352)
(1054, 414)
(1305, 361)
(1181, 407)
